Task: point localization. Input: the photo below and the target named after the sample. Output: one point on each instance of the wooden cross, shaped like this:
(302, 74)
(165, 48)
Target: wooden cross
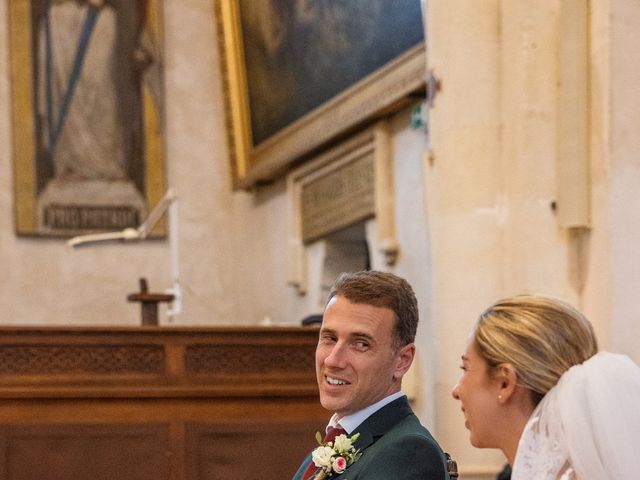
(149, 302)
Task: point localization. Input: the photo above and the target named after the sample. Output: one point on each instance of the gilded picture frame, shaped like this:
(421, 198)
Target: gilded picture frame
(298, 76)
(62, 54)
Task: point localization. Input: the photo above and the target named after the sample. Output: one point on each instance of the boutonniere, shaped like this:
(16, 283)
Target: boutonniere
(333, 458)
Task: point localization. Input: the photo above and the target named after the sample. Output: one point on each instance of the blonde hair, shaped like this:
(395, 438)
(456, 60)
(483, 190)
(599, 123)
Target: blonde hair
(541, 337)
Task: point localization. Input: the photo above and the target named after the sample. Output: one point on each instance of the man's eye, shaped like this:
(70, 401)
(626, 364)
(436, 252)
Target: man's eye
(463, 368)
(361, 345)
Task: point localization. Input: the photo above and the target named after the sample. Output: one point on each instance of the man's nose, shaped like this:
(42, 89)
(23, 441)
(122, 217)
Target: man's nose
(336, 357)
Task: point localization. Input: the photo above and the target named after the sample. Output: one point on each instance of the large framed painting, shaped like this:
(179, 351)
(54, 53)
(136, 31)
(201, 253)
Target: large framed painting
(300, 74)
(87, 102)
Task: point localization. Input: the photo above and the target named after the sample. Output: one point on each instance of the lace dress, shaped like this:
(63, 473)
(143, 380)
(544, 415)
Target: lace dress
(541, 454)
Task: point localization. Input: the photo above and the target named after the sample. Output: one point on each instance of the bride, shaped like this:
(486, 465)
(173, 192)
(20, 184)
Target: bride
(534, 386)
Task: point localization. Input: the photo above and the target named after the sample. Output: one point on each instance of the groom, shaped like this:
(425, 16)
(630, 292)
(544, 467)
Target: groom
(364, 349)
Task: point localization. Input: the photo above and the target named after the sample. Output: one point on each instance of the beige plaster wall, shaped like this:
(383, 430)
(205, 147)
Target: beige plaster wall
(623, 176)
(491, 177)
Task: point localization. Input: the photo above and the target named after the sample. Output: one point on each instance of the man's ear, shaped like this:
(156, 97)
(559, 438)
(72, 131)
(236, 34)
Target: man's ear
(404, 359)
(507, 380)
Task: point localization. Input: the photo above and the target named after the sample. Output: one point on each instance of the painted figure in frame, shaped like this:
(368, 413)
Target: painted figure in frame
(94, 61)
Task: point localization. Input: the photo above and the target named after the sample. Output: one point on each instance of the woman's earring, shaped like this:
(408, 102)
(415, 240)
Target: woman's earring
(499, 398)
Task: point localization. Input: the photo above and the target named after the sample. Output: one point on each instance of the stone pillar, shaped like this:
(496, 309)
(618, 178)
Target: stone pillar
(465, 204)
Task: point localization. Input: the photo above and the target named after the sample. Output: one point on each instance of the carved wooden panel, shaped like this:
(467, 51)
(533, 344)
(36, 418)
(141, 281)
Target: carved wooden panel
(153, 403)
(28, 359)
(240, 359)
(269, 452)
(96, 452)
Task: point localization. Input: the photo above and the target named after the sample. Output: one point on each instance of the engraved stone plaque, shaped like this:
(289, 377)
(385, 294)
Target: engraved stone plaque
(338, 199)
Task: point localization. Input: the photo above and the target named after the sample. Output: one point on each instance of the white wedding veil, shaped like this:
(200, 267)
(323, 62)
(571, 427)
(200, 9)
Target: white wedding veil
(588, 422)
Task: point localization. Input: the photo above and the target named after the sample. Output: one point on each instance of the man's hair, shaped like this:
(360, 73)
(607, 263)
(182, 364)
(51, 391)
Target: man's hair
(381, 289)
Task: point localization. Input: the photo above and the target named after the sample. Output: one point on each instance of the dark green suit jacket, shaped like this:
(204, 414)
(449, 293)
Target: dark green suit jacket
(395, 446)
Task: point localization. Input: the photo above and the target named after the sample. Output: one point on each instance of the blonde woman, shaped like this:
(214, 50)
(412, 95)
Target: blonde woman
(534, 386)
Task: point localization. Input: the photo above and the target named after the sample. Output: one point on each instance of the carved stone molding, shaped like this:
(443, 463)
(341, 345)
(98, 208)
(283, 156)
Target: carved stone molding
(349, 183)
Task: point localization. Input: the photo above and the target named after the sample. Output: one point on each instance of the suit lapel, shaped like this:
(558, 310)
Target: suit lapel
(381, 422)
(373, 428)
(378, 424)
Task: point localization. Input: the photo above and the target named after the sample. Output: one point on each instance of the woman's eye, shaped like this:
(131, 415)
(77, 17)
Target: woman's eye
(463, 368)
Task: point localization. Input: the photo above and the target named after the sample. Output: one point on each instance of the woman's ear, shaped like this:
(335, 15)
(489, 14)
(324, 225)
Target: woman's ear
(507, 380)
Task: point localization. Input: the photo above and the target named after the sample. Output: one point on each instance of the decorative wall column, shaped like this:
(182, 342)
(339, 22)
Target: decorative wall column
(465, 205)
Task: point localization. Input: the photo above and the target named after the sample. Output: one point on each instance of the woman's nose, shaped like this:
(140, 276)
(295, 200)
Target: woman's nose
(454, 392)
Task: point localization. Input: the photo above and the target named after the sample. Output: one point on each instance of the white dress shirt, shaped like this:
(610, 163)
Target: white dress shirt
(350, 422)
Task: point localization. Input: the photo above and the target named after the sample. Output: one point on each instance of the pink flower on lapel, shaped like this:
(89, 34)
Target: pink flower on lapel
(339, 465)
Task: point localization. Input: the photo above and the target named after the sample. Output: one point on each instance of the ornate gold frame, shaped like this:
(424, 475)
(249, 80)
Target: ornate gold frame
(26, 222)
(381, 93)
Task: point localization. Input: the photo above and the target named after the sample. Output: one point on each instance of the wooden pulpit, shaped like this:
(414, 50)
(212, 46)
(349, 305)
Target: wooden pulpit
(161, 404)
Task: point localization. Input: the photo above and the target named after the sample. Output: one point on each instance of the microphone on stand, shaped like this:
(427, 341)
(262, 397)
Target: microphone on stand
(168, 202)
(127, 234)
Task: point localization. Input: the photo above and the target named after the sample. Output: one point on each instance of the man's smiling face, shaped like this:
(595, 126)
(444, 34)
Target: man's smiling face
(357, 360)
